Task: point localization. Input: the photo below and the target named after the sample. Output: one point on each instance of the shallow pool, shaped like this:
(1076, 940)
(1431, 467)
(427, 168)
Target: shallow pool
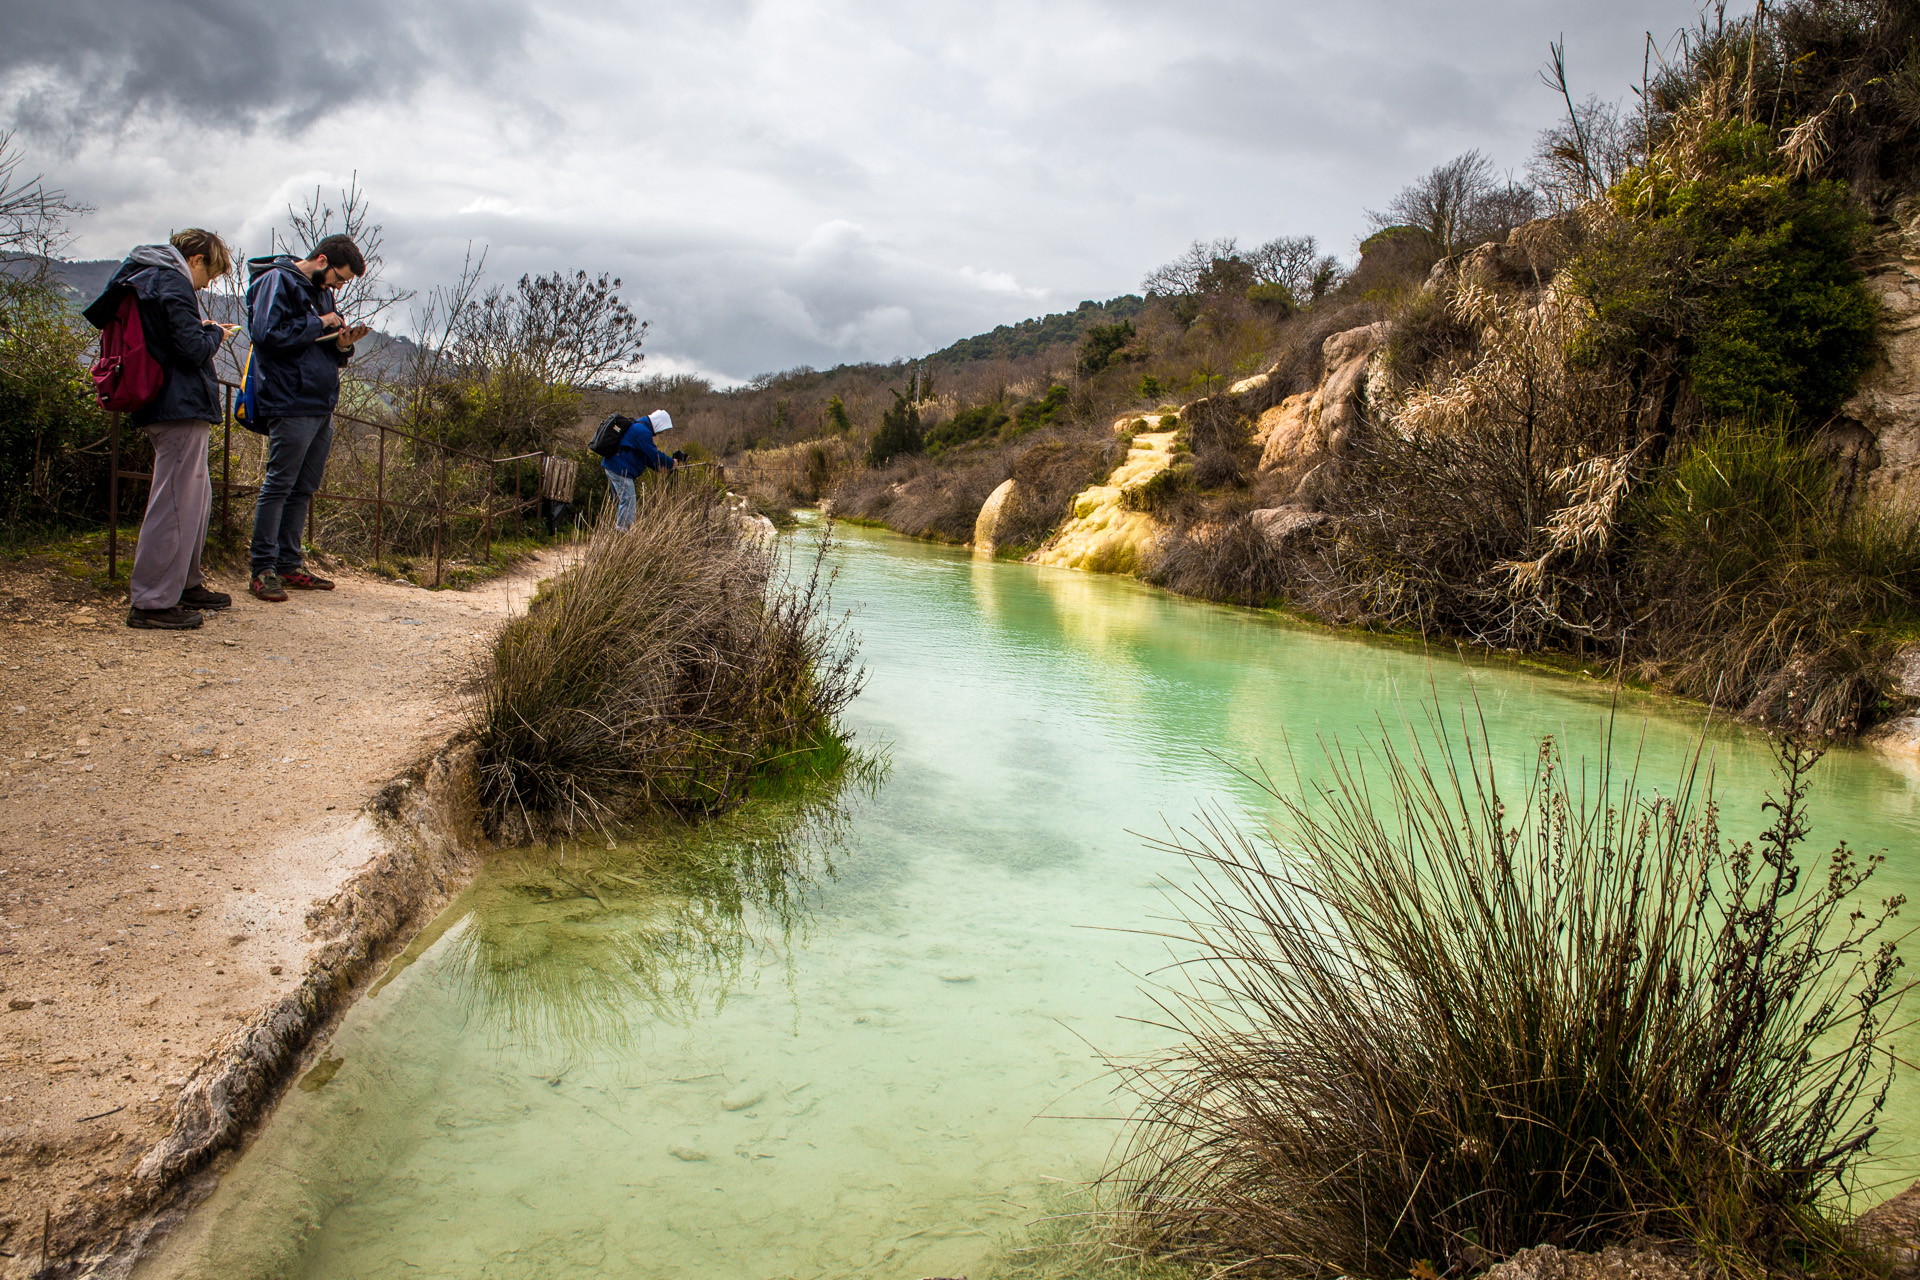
(873, 1054)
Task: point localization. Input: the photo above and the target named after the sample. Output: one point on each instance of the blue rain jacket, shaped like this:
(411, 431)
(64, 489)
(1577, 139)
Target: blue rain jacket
(299, 374)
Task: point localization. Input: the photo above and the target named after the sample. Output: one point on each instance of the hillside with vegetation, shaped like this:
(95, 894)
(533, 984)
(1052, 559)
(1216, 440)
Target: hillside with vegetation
(1618, 412)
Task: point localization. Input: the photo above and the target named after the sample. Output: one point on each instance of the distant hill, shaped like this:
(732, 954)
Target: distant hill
(1030, 337)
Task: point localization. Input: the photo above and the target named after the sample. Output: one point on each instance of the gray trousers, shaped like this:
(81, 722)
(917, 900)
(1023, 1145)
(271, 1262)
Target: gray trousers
(172, 533)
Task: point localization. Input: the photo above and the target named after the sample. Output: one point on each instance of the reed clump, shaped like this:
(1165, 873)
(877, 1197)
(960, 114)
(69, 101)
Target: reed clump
(676, 663)
(1437, 1022)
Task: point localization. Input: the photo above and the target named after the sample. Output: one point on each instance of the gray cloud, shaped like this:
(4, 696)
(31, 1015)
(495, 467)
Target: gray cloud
(798, 181)
(81, 65)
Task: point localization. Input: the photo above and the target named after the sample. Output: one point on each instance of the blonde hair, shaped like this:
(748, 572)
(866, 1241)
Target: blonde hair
(196, 243)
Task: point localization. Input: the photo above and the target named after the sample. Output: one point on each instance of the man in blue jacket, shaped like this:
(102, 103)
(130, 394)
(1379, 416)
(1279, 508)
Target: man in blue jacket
(636, 454)
(299, 345)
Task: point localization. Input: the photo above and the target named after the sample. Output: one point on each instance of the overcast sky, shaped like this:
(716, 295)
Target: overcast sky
(784, 182)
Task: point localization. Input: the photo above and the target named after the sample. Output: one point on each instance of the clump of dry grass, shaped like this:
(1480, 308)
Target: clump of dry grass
(670, 667)
(1441, 1023)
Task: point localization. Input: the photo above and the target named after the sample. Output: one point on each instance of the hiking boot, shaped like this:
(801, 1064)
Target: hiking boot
(201, 598)
(301, 580)
(267, 586)
(174, 619)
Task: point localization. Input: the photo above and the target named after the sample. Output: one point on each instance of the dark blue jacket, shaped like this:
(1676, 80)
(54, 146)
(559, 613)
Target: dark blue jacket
(637, 452)
(299, 374)
(182, 343)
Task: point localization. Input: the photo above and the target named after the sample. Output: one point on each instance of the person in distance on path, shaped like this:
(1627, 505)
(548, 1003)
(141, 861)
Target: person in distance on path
(300, 344)
(167, 589)
(636, 453)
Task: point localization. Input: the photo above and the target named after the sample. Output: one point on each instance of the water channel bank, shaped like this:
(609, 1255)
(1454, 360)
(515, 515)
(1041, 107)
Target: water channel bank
(190, 885)
(875, 1050)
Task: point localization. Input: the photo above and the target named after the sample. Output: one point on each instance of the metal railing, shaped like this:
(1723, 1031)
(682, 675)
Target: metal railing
(380, 503)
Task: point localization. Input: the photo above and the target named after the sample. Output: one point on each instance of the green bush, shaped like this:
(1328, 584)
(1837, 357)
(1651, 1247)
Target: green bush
(51, 468)
(1103, 344)
(970, 424)
(1038, 413)
(899, 433)
(1276, 299)
(1738, 275)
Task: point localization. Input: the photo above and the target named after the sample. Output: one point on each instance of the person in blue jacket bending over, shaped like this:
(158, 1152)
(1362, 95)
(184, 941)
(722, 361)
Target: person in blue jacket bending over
(636, 453)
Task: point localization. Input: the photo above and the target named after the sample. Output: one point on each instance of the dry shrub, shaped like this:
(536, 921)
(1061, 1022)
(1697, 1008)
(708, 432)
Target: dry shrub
(1766, 593)
(1434, 1023)
(1217, 552)
(1457, 488)
(941, 498)
(797, 473)
(666, 670)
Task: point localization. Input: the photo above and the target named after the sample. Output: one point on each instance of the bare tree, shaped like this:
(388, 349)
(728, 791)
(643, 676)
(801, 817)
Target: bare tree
(364, 298)
(1296, 263)
(1191, 271)
(563, 330)
(1459, 204)
(34, 218)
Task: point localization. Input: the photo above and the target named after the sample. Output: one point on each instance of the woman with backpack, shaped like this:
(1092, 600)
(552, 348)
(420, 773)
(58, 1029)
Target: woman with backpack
(167, 589)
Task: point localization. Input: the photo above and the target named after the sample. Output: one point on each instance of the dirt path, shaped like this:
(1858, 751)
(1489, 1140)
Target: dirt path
(173, 804)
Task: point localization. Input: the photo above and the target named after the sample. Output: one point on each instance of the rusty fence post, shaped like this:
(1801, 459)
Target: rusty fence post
(113, 496)
(226, 465)
(440, 518)
(379, 497)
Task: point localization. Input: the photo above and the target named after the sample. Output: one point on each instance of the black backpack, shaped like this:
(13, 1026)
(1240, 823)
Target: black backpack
(607, 437)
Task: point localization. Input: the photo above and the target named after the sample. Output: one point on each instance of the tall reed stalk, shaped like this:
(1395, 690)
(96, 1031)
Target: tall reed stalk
(1432, 1023)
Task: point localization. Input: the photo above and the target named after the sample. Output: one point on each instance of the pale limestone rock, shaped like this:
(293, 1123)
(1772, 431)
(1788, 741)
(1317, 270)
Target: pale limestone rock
(1282, 523)
(1288, 432)
(1888, 402)
(999, 505)
(1904, 672)
(1103, 535)
(1332, 411)
(1247, 386)
(1895, 1227)
(1544, 1262)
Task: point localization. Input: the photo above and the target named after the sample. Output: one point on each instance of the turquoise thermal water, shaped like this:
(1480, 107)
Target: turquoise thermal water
(875, 1061)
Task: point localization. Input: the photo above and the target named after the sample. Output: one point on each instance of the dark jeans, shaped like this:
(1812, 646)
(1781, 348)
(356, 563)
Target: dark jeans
(297, 451)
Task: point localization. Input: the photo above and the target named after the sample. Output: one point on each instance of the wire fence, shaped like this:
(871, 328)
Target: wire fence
(389, 490)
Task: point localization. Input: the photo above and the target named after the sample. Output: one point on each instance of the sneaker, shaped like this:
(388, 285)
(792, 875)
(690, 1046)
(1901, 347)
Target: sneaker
(174, 619)
(201, 598)
(267, 586)
(301, 580)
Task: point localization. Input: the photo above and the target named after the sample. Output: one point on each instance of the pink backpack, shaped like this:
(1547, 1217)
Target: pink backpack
(126, 376)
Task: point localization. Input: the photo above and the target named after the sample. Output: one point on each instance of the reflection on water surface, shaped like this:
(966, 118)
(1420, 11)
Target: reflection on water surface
(860, 1036)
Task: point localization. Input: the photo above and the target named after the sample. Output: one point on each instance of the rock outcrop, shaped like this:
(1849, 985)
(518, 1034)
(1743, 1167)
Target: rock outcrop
(1104, 533)
(994, 512)
(1888, 402)
(1305, 429)
(1894, 1227)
